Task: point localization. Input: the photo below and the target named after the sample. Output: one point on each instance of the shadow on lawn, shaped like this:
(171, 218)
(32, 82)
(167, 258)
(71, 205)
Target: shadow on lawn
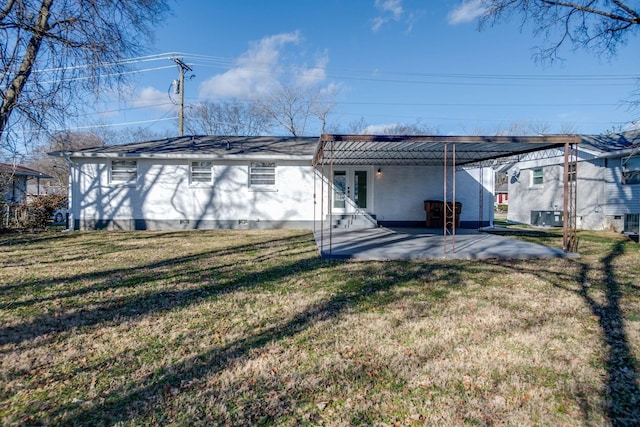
(622, 394)
(148, 395)
(117, 407)
(123, 308)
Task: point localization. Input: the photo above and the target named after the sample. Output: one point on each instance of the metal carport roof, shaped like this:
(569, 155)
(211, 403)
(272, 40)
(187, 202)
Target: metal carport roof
(429, 150)
(448, 152)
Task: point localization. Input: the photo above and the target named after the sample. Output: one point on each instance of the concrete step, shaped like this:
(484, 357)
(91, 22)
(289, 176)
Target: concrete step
(352, 221)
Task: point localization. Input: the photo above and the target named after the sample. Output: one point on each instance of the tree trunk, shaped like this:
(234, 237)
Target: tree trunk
(10, 98)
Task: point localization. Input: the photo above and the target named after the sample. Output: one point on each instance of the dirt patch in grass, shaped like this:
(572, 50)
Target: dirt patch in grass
(252, 328)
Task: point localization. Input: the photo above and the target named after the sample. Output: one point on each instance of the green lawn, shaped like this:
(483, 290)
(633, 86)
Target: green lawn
(252, 328)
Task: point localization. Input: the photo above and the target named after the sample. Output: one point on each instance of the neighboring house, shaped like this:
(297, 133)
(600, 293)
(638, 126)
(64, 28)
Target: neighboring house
(197, 182)
(15, 182)
(608, 185)
(502, 194)
(501, 189)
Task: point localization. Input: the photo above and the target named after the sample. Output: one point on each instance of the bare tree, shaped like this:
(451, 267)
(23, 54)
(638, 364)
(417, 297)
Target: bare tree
(417, 128)
(524, 127)
(361, 127)
(599, 25)
(57, 167)
(357, 127)
(323, 105)
(231, 117)
(292, 106)
(52, 53)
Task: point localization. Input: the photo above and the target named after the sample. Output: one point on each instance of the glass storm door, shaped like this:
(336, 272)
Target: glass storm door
(351, 190)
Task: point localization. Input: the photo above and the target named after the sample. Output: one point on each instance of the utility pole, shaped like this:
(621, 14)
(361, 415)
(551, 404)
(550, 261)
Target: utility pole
(182, 67)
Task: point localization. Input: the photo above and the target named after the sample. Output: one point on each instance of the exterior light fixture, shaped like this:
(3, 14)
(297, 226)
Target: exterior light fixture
(379, 172)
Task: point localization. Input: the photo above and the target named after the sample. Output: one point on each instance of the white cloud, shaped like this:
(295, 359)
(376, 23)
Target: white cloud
(315, 74)
(391, 10)
(152, 98)
(255, 72)
(379, 129)
(392, 6)
(468, 11)
(378, 22)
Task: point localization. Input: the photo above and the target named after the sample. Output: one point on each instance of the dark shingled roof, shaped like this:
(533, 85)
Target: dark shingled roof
(612, 142)
(360, 149)
(213, 145)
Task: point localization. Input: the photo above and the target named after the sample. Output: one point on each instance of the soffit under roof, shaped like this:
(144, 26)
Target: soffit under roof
(429, 150)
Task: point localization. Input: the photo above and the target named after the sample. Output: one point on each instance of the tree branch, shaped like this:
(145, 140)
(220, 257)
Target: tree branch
(12, 94)
(633, 20)
(7, 9)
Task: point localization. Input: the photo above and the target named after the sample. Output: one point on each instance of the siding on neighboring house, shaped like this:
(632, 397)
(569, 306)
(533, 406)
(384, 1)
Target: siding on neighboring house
(602, 198)
(621, 198)
(526, 197)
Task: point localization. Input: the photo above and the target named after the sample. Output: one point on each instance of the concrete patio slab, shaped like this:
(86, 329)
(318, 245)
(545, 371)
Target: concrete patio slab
(419, 243)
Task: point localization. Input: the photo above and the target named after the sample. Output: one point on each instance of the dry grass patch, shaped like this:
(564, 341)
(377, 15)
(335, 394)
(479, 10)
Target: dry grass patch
(251, 328)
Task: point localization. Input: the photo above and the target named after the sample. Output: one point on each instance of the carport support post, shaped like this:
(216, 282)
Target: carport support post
(315, 193)
(444, 201)
(453, 202)
(322, 200)
(445, 207)
(565, 200)
(330, 199)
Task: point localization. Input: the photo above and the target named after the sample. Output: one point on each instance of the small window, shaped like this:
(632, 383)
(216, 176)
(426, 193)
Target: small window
(262, 174)
(124, 171)
(632, 223)
(201, 172)
(537, 177)
(631, 170)
(572, 172)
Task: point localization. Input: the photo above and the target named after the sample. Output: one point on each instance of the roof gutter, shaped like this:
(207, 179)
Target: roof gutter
(180, 156)
(621, 153)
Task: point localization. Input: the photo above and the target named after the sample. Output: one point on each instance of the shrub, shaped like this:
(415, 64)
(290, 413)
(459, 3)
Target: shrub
(36, 213)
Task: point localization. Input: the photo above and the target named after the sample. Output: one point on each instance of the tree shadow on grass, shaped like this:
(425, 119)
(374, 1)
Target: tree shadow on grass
(621, 397)
(132, 402)
(123, 308)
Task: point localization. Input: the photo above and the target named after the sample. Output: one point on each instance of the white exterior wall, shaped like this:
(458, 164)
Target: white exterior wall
(400, 192)
(163, 197)
(591, 199)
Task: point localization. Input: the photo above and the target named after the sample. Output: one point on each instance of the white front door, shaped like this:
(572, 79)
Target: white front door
(352, 190)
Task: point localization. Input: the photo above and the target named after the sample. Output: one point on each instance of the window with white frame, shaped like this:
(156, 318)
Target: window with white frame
(124, 171)
(537, 177)
(262, 175)
(201, 172)
(631, 170)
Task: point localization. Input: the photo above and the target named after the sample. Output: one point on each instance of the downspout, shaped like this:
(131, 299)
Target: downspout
(70, 216)
(492, 184)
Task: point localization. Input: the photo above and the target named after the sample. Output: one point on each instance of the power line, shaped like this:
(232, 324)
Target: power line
(162, 119)
(425, 74)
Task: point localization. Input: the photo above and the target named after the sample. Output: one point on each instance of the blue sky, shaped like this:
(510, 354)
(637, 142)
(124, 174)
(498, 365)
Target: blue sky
(386, 61)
